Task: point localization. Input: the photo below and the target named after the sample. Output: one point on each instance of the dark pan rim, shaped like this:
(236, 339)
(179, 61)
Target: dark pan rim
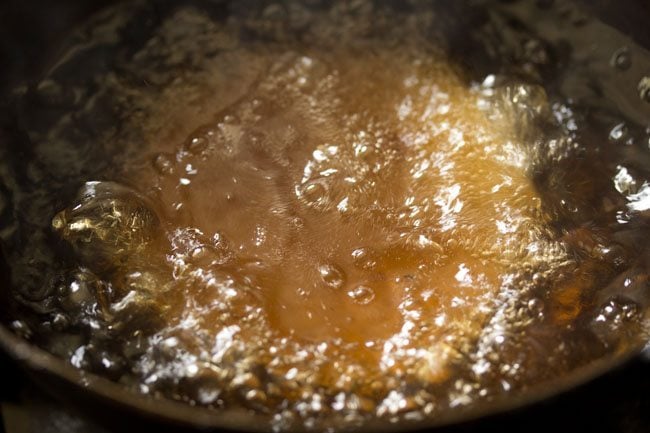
(184, 415)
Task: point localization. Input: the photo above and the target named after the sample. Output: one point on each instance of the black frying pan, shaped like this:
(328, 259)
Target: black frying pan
(30, 32)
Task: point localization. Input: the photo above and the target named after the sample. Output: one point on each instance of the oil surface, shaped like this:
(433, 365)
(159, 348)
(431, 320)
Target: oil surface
(315, 213)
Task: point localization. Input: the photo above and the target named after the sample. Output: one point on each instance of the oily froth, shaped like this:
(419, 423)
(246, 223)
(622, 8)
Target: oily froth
(339, 175)
(348, 222)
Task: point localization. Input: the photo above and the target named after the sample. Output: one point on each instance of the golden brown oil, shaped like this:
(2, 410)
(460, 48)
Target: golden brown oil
(354, 206)
(338, 224)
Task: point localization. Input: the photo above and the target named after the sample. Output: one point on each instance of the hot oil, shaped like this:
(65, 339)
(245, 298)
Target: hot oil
(325, 192)
(345, 227)
(342, 225)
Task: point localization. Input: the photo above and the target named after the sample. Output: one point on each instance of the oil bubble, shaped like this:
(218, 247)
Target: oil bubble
(187, 241)
(621, 59)
(616, 313)
(164, 163)
(221, 249)
(536, 307)
(364, 258)
(644, 89)
(197, 145)
(362, 295)
(332, 275)
(315, 194)
(21, 328)
(107, 363)
(230, 119)
(80, 294)
(106, 223)
(618, 132)
(60, 322)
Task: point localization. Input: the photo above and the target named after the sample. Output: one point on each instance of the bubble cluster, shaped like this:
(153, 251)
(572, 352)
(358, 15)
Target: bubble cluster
(341, 240)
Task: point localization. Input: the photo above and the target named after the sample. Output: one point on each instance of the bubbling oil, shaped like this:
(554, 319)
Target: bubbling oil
(341, 226)
(355, 201)
(343, 229)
